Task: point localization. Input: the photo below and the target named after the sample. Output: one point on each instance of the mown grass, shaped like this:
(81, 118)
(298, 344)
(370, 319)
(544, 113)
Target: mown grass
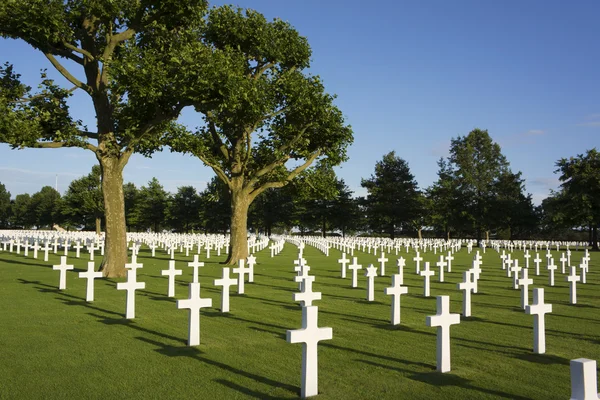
(55, 345)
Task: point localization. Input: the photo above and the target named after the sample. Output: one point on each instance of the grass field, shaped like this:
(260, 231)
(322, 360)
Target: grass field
(55, 345)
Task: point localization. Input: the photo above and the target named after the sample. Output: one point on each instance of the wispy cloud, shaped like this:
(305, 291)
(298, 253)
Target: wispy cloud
(591, 121)
(534, 132)
(590, 124)
(37, 173)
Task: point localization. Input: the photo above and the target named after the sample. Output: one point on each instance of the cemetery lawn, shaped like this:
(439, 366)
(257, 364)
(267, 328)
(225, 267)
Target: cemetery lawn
(56, 345)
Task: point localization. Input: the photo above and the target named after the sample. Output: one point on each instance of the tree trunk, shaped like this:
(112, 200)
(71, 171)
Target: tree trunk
(420, 231)
(238, 243)
(115, 256)
(487, 236)
(595, 237)
(324, 227)
(448, 234)
(98, 229)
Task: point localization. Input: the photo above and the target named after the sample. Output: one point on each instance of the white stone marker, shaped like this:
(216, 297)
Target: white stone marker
(537, 260)
(36, 247)
(310, 335)
(371, 273)
(539, 309)
(382, 260)
(401, 263)
(584, 383)
(226, 282)
(573, 279)
(78, 248)
(551, 268)
(418, 260)
(449, 259)
(527, 256)
(563, 261)
(584, 269)
(524, 282)
(476, 271)
(171, 273)
(467, 286)
(515, 269)
(131, 286)
(343, 261)
(354, 267)
(307, 296)
(195, 264)
(396, 290)
(251, 262)
(441, 264)
(90, 275)
(241, 270)
(443, 320)
(426, 273)
(63, 267)
(194, 303)
(46, 250)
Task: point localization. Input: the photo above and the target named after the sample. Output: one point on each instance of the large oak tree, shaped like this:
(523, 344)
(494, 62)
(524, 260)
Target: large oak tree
(128, 57)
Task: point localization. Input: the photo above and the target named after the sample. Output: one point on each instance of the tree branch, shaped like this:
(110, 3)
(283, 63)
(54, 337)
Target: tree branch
(76, 49)
(218, 170)
(261, 70)
(217, 139)
(58, 145)
(37, 96)
(64, 72)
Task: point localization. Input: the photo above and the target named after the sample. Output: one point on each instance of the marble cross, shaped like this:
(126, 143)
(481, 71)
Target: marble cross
(63, 267)
(401, 263)
(443, 320)
(354, 267)
(371, 273)
(194, 303)
(441, 264)
(171, 273)
(307, 296)
(396, 290)
(343, 261)
(551, 268)
(573, 279)
(195, 264)
(449, 259)
(467, 286)
(90, 275)
(310, 335)
(418, 260)
(563, 261)
(539, 309)
(426, 273)
(527, 256)
(251, 262)
(524, 282)
(382, 260)
(131, 285)
(226, 282)
(241, 270)
(584, 383)
(515, 269)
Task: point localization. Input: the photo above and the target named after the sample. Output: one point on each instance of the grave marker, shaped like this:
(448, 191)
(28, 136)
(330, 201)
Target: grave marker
(194, 303)
(443, 320)
(539, 309)
(396, 290)
(90, 275)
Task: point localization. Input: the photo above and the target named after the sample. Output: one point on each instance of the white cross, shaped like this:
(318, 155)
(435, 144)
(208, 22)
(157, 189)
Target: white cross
(443, 320)
(503, 257)
(396, 290)
(584, 384)
(131, 285)
(418, 260)
(194, 303)
(449, 259)
(310, 335)
(46, 249)
(382, 260)
(537, 260)
(307, 296)
(251, 262)
(78, 248)
(343, 261)
(63, 267)
(551, 268)
(134, 265)
(539, 309)
(515, 269)
(171, 273)
(563, 261)
(467, 286)
(527, 256)
(241, 270)
(354, 267)
(524, 282)
(401, 263)
(427, 274)
(153, 248)
(90, 275)
(302, 274)
(441, 264)
(584, 268)
(573, 279)
(36, 247)
(195, 264)
(226, 282)
(371, 273)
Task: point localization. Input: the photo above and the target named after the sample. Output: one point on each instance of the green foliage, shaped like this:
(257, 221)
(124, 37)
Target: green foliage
(131, 197)
(83, 202)
(22, 215)
(393, 201)
(184, 209)
(215, 209)
(5, 207)
(151, 206)
(46, 206)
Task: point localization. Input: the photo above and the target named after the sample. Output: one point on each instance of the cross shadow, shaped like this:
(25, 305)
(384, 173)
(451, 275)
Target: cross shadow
(232, 316)
(543, 358)
(276, 334)
(402, 328)
(86, 304)
(31, 264)
(247, 391)
(131, 324)
(194, 353)
(368, 354)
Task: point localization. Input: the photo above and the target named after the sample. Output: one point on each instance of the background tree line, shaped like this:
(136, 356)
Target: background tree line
(476, 195)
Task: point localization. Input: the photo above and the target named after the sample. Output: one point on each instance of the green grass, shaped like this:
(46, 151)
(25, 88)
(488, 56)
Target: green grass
(55, 345)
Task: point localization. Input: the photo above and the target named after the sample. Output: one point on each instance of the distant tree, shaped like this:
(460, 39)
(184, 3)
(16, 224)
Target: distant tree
(269, 120)
(393, 196)
(344, 213)
(476, 164)
(215, 203)
(131, 198)
(130, 57)
(580, 177)
(5, 209)
(184, 209)
(83, 203)
(151, 207)
(22, 215)
(442, 201)
(513, 210)
(46, 206)
(273, 208)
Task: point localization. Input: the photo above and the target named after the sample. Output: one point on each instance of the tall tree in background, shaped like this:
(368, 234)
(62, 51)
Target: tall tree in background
(215, 206)
(128, 57)
(131, 197)
(580, 177)
(443, 201)
(83, 202)
(5, 208)
(46, 206)
(21, 215)
(184, 209)
(273, 208)
(393, 195)
(476, 164)
(269, 120)
(151, 207)
(513, 210)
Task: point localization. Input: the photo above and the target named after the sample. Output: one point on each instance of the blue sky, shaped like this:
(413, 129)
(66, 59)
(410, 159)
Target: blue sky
(409, 77)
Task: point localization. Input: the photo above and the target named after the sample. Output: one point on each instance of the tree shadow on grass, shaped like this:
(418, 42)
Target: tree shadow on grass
(438, 379)
(30, 264)
(196, 354)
